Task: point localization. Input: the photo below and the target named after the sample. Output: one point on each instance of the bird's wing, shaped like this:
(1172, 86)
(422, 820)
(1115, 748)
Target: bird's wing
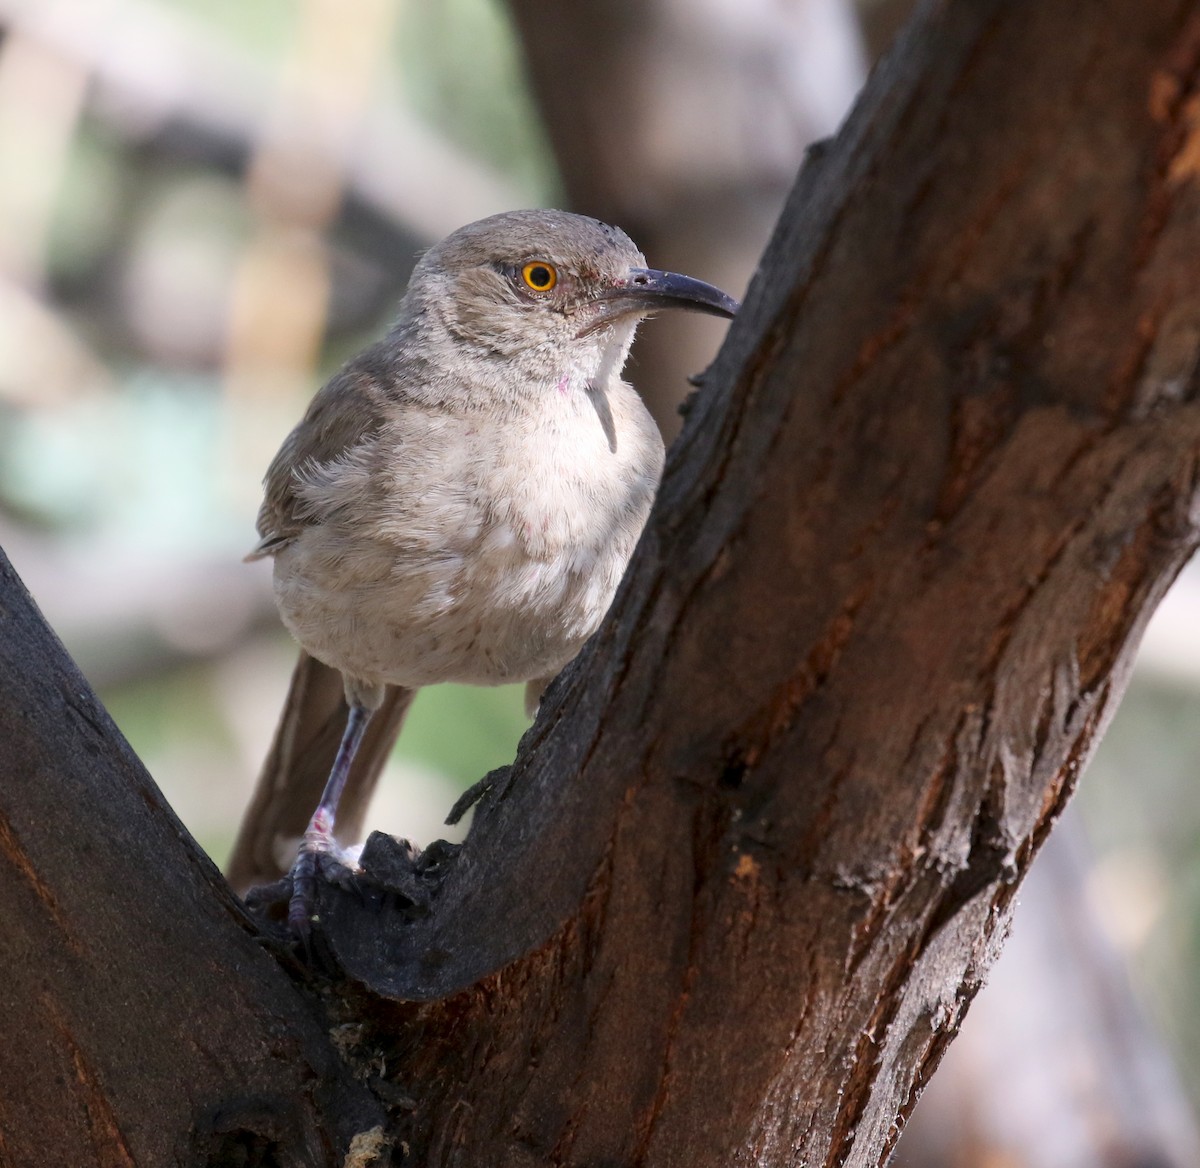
(344, 416)
(340, 425)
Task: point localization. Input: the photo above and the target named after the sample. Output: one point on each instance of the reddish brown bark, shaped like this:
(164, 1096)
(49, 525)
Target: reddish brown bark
(937, 480)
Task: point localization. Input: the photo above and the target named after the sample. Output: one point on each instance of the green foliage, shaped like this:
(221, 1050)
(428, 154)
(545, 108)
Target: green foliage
(464, 731)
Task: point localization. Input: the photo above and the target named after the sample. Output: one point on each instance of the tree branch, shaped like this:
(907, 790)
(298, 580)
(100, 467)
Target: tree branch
(758, 852)
(148, 1025)
(1010, 1091)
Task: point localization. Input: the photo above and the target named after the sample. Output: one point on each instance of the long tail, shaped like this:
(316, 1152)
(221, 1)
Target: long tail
(297, 765)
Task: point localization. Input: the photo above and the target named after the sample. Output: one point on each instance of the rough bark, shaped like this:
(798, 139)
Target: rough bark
(752, 862)
(939, 477)
(146, 1024)
(759, 851)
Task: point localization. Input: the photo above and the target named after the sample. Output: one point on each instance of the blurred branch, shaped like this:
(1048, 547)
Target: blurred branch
(43, 361)
(124, 616)
(685, 124)
(172, 88)
(295, 184)
(1055, 1066)
(41, 96)
(155, 72)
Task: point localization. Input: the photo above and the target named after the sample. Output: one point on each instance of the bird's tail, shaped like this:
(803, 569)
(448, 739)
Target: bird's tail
(297, 765)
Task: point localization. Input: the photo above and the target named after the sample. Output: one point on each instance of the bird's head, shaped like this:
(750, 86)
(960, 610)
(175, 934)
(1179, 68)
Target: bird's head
(550, 292)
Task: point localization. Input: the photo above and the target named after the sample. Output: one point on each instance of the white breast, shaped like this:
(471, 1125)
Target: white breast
(493, 555)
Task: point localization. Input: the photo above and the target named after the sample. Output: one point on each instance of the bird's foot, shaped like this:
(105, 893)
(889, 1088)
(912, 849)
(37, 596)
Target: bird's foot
(320, 857)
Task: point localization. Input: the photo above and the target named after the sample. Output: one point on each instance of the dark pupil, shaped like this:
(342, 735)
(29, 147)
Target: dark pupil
(539, 277)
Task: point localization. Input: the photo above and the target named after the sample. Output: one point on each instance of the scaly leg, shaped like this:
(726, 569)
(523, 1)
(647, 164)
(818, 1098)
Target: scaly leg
(318, 837)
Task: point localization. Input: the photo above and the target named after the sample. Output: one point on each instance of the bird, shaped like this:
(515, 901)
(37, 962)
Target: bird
(458, 504)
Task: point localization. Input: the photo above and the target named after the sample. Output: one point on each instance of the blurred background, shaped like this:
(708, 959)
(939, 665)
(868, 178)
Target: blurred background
(207, 205)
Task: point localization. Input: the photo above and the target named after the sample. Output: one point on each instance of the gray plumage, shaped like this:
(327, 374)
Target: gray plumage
(460, 501)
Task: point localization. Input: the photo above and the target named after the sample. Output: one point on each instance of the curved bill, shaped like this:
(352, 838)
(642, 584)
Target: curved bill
(647, 289)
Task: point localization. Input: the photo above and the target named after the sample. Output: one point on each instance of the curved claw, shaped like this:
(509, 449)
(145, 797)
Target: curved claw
(303, 903)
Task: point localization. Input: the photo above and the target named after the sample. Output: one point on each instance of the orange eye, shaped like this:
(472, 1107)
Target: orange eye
(539, 275)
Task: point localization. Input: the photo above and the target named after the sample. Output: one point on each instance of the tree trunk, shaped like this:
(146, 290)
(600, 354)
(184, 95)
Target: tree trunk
(752, 862)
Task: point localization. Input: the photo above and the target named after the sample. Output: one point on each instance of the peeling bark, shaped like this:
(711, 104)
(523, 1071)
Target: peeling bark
(1059, 1003)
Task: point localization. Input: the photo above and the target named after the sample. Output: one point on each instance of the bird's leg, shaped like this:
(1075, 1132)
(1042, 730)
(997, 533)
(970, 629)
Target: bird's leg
(318, 836)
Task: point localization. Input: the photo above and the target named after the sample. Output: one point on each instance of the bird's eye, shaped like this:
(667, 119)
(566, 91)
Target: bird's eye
(539, 276)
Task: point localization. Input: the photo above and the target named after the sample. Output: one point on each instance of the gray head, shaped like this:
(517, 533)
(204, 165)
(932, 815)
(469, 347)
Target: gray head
(550, 292)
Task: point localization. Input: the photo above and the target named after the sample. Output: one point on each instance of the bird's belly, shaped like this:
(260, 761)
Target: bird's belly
(482, 561)
(489, 616)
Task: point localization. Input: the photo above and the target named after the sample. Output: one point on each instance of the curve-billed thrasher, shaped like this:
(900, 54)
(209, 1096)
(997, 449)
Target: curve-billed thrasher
(457, 504)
